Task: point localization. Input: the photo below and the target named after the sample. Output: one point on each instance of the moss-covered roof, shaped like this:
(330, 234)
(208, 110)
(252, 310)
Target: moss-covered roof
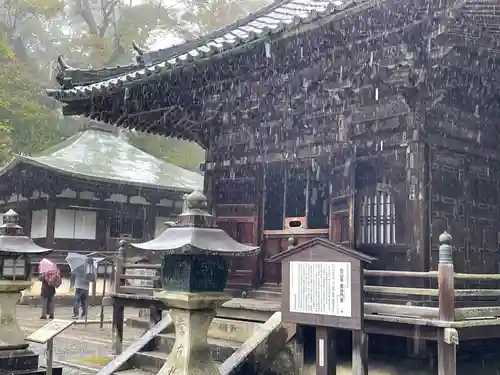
(101, 156)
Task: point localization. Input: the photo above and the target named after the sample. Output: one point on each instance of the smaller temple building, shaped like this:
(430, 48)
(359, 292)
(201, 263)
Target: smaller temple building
(92, 190)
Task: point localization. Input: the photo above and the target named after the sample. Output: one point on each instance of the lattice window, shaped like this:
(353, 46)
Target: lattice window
(378, 217)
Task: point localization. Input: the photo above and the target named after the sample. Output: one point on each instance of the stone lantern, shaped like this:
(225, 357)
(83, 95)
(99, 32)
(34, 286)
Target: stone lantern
(15, 266)
(194, 273)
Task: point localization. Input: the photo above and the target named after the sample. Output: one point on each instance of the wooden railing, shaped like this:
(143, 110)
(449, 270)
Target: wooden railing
(437, 296)
(124, 281)
(445, 304)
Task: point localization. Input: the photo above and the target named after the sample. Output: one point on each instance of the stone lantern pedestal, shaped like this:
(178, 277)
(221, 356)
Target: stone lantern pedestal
(14, 353)
(11, 335)
(193, 277)
(15, 252)
(192, 314)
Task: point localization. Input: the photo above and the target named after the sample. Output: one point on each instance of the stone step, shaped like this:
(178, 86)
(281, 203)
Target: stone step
(150, 362)
(265, 294)
(134, 371)
(153, 361)
(220, 349)
(232, 330)
(221, 328)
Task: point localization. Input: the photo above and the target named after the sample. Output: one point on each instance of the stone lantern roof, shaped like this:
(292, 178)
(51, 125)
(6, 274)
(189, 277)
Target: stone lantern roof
(12, 240)
(197, 234)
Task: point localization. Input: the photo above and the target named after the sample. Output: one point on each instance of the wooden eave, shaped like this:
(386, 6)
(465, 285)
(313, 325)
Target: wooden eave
(259, 27)
(69, 77)
(81, 98)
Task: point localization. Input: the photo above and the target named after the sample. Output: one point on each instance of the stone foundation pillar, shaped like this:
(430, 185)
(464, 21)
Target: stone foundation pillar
(11, 335)
(192, 314)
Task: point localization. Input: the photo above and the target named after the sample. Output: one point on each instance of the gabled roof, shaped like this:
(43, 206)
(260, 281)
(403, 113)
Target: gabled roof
(101, 156)
(328, 244)
(274, 19)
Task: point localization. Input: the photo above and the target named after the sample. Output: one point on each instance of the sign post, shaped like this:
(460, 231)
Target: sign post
(323, 287)
(46, 335)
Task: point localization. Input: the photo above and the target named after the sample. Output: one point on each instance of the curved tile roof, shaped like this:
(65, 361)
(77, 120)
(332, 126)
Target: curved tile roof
(273, 19)
(102, 156)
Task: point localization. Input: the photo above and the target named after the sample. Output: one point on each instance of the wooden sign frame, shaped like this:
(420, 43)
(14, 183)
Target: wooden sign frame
(319, 272)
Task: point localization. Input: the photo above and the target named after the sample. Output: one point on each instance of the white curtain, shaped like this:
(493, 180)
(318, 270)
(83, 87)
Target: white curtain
(73, 224)
(39, 224)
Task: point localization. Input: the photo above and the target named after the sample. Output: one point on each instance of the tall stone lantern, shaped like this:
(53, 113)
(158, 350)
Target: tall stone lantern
(194, 273)
(15, 269)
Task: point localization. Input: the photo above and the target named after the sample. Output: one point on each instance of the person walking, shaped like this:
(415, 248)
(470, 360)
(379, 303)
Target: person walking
(50, 276)
(47, 294)
(82, 284)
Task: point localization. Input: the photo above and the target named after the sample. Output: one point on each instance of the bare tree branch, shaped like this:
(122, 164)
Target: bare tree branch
(85, 11)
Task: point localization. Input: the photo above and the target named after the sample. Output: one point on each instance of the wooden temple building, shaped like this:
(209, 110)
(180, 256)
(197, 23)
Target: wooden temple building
(92, 190)
(370, 123)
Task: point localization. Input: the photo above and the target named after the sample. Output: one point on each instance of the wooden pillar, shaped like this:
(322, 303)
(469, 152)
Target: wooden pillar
(118, 322)
(51, 222)
(326, 351)
(29, 214)
(148, 222)
(417, 223)
(360, 338)
(155, 316)
(359, 352)
(417, 215)
(447, 338)
(118, 309)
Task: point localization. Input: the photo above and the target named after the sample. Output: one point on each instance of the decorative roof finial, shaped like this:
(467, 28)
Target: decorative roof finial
(10, 226)
(195, 211)
(137, 49)
(62, 63)
(445, 249)
(196, 201)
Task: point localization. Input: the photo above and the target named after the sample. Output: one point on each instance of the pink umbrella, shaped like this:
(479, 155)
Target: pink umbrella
(46, 266)
(51, 272)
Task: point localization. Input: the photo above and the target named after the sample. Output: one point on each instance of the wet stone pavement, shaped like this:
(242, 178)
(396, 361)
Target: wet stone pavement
(77, 342)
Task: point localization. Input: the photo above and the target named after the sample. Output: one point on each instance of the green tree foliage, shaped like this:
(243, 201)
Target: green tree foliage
(182, 153)
(89, 33)
(26, 125)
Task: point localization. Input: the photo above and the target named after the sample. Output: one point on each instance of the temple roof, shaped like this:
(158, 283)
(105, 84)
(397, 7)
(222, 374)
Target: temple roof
(271, 21)
(259, 26)
(101, 156)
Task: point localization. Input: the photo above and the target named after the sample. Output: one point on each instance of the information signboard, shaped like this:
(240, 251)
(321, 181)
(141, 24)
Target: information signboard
(49, 331)
(322, 284)
(322, 288)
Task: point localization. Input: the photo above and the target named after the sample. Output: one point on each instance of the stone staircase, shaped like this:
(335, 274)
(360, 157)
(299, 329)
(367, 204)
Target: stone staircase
(267, 292)
(225, 336)
(253, 340)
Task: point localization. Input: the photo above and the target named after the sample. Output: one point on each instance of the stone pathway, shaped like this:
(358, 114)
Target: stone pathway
(79, 341)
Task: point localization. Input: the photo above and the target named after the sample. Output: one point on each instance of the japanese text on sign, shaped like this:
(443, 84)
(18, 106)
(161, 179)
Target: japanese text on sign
(322, 288)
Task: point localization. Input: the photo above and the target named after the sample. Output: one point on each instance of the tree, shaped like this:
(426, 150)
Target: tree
(89, 33)
(179, 152)
(27, 125)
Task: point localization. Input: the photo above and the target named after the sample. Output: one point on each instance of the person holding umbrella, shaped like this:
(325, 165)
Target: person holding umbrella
(82, 269)
(50, 276)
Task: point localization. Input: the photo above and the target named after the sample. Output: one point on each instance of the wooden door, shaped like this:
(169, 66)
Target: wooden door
(241, 269)
(342, 197)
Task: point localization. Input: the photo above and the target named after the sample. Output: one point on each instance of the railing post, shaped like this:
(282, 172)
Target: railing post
(119, 266)
(447, 337)
(118, 309)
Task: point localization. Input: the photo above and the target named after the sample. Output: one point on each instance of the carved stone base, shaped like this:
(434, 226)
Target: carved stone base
(17, 360)
(192, 314)
(11, 335)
